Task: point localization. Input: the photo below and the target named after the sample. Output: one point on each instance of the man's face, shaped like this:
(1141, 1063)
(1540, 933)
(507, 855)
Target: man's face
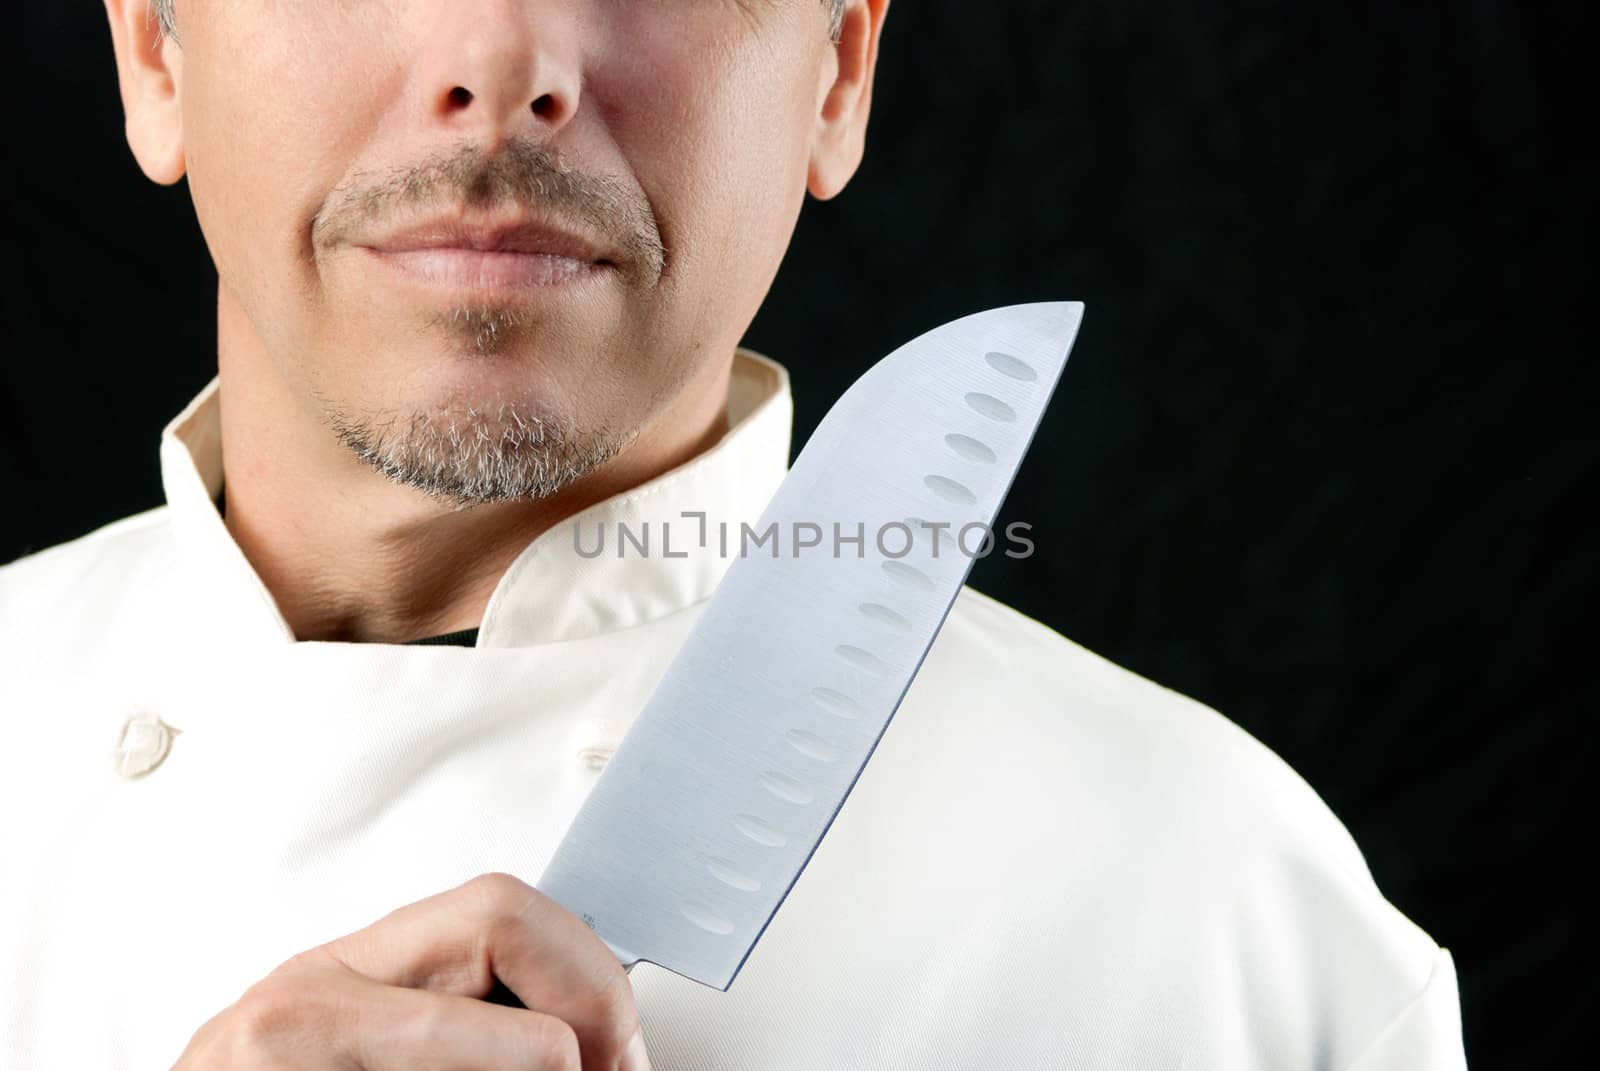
(384, 186)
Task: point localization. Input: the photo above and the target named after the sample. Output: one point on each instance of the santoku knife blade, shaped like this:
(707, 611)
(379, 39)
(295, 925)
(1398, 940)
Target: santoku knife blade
(716, 798)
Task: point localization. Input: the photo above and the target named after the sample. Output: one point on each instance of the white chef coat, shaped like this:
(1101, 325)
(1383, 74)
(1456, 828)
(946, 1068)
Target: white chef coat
(1048, 863)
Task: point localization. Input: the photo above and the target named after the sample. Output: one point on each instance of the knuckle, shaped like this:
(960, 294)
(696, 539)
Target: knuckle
(273, 1008)
(498, 894)
(609, 1011)
(614, 999)
(553, 1044)
(309, 960)
(623, 1027)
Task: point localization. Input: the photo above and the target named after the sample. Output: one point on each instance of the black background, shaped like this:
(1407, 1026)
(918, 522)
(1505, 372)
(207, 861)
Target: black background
(1318, 458)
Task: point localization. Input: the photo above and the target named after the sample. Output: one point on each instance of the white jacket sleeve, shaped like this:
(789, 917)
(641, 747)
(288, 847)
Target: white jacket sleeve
(1426, 1035)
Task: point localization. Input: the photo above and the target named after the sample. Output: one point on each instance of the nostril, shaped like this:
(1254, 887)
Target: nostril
(545, 106)
(460, 96)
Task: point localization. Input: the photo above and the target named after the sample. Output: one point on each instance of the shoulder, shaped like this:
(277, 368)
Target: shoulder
(1194, 783)
(91, 573)
(1031, 683)
(1190, 848)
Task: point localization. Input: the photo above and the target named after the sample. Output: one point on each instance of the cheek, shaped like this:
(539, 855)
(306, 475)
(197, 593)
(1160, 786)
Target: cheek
(274, 110)
(721, 146)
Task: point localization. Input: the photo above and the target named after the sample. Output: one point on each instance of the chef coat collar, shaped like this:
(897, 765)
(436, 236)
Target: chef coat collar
(559, 588)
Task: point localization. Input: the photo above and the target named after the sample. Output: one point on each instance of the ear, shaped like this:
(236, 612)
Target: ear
(149, 74)
(841, 131)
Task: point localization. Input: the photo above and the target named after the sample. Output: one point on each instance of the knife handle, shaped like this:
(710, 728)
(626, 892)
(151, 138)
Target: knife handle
(501, 993)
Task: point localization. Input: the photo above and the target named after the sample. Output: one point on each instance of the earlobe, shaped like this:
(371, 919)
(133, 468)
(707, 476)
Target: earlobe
(840, 139)
(149, 77)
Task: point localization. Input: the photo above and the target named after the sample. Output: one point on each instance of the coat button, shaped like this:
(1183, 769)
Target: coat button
(595, 756)
(143, 744)
(598, 739)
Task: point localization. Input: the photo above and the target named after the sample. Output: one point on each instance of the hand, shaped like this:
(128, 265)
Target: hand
(406, 992)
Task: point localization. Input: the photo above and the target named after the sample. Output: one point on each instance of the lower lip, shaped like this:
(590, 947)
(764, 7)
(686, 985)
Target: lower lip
(475, 269)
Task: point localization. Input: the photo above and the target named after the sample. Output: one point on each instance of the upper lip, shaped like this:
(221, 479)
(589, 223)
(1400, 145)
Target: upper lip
(488, 236)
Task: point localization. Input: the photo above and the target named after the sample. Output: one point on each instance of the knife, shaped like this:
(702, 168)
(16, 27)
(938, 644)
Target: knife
(714, 801)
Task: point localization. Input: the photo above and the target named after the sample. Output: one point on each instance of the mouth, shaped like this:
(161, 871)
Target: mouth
(513, 255)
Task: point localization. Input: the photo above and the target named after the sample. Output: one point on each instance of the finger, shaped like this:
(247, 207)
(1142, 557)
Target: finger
(450, 942)
(459, 942)
(410, 1028)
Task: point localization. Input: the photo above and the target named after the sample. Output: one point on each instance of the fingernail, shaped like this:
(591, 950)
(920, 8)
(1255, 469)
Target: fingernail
(636, 1058)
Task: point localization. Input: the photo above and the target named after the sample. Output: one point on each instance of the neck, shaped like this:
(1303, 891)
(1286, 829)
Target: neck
(351, 556)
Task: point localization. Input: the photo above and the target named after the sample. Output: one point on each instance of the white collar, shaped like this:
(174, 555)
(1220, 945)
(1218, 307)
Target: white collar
(553, 591)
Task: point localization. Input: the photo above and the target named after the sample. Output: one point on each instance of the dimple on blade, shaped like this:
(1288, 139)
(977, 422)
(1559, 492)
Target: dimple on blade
(717, 797)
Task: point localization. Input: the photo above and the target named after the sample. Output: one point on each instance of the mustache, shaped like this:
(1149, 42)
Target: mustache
(523, 173)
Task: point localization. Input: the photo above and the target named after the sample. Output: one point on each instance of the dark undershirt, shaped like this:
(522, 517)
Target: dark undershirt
(467, 637)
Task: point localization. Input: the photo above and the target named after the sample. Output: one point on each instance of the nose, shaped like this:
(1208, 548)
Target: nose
(496, 68)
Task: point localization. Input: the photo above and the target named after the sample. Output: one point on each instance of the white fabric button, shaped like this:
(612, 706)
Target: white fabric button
(595, 756)
(143, 744)
(599, 737)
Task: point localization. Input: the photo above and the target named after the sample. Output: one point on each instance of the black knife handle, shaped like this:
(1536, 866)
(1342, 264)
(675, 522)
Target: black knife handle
(501, 993)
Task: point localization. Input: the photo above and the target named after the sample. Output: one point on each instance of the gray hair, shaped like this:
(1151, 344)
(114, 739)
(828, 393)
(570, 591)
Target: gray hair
(165, 16)
(169, 19)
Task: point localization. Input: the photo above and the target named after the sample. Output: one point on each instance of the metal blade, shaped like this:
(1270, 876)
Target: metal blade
(720, 792)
